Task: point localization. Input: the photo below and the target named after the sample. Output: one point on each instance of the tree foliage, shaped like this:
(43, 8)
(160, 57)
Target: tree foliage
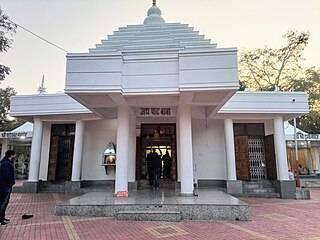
(310, 123)
(7, 29)
(7, 124)
(266, 68)
(310, 84)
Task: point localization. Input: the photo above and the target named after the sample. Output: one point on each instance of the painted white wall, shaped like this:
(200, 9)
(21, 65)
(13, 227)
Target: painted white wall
(268, 127)
(209, 149)
(4, 143)
(45, 151)
(96, 138)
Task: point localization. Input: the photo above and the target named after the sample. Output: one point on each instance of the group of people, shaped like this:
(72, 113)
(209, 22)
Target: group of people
(158, 166)
(303, 170)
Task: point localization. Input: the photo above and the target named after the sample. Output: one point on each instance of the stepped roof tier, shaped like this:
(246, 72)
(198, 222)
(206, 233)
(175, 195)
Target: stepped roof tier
(153, 58)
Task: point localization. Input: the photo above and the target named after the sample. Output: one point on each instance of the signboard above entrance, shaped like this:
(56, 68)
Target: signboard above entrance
(156, 112)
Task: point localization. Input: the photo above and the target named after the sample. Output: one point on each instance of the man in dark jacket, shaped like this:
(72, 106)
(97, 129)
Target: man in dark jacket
(7, 180)
(156, 168)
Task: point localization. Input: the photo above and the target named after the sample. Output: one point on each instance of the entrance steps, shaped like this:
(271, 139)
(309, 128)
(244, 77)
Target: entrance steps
(164, 183)
(263, 189)
(149, 215)
(53, 187)
(157, 205)
(312, 183)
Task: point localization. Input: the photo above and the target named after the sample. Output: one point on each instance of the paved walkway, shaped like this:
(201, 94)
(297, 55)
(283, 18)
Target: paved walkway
(272, 219)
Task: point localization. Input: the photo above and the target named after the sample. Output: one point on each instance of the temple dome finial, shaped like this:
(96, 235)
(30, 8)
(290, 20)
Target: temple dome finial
(154, 15)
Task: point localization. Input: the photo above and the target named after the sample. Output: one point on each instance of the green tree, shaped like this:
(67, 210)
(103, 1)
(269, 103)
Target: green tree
(7, 124)
(310, 123)
(266, 68)
(7, 29)
(311, 84)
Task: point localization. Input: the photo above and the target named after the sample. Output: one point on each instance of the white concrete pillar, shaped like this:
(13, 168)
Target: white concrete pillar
(230, 153)
(35, 157)
(77, 152)
(132, 149)
(4, 147)
(178, 149)
(280, 148)
(122, 149)
(186, 153)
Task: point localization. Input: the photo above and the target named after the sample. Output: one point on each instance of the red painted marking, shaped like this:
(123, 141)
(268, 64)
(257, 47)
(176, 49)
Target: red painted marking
(122, 194)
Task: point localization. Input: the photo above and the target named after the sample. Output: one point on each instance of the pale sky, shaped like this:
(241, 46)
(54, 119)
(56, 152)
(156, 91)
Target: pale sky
(77, 25)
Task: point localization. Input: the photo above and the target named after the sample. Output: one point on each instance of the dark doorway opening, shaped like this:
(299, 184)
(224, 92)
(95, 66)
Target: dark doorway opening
(162, 138)
(61, 152)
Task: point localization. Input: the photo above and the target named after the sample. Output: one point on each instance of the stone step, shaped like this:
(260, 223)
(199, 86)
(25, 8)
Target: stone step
(253, 185)
(262, 195)
(313, 184)
(169, 216)
(260, 190)
(167, 183)
(52, 190)
(53, 187)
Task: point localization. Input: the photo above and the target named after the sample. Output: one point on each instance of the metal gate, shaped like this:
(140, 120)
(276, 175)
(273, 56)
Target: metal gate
(64, 161)
(257, 159)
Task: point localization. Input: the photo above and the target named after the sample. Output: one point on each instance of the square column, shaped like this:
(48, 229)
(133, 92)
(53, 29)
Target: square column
(132, 154)
(234, 187)
(230, 152)
(74, 185)
(77, 152)
(4, 147)
(35, 156)
(186, 153)
(122, 149)
(280, 148)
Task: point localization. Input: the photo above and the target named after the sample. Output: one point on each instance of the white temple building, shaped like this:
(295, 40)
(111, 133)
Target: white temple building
(158, 85)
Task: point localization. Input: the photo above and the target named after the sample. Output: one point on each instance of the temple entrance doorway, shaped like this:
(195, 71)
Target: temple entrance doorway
(61, 152)
(254, 152)
(157, 140)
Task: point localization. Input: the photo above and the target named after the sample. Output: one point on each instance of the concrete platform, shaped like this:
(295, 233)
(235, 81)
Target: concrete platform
(209, 205)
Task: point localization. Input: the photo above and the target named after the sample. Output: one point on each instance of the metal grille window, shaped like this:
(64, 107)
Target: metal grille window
(257, 158)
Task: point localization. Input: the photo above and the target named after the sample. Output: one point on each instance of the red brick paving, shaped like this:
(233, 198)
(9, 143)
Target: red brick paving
(272, 219)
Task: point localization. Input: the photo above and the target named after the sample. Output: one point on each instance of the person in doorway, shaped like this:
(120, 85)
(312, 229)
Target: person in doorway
(156, 168)
(149, 167)
(7, 180)
(166, 165)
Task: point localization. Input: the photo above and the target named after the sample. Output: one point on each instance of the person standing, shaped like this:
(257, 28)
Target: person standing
(156, 168)
(149, 167)
(7, 180)
(167, 165)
